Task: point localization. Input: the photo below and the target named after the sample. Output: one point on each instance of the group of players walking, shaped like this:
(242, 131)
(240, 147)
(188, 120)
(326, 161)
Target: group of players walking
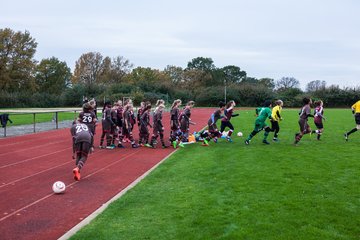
(118, 121)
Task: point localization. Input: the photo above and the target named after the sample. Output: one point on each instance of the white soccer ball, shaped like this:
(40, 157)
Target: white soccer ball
(240, 134)
(58, 187)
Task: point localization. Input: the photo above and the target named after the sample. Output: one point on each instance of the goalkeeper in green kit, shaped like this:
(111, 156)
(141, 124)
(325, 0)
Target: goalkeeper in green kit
(262, 113)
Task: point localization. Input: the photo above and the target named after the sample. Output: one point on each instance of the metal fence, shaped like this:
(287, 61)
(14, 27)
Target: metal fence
(35, 125)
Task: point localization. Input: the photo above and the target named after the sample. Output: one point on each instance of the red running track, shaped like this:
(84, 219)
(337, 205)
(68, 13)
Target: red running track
(30, 164)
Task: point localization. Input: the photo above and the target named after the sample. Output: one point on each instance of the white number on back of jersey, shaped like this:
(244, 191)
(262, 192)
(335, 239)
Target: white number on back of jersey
(81, 127)
(87, 119)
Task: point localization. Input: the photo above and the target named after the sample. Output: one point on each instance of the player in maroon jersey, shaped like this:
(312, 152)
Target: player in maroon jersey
(139, 112)
(119, 122)
(212, 127)
(304, 114)
(185, 121)
(138, 119)
(82, 145)
(158, 127)
(225, 121)
(114, 132)
(144, 124)
(318, 118)
(128, 126)
(175, 133)
(132, 119)
(107, 123)
(88, 117)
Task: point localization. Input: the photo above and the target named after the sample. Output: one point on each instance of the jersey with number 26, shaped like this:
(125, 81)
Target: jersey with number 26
(81, 133)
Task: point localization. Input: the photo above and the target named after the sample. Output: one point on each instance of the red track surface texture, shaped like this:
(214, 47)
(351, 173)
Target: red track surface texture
(30, 164)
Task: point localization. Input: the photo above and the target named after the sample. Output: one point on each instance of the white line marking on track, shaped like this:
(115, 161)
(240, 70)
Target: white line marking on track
(29, 159)
(71, 184)
(29, 176)
(5, 184)
(26, 141)
(26, 149)
(27, 206)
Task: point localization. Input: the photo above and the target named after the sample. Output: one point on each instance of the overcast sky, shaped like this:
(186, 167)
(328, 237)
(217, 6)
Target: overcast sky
(307, 39)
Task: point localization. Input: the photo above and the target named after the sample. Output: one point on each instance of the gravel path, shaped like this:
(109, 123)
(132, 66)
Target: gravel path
(26, 129)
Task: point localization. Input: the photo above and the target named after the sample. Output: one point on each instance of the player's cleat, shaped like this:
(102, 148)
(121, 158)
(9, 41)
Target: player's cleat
(134, 145)
(247, 142)
(174, 144)
(215, 140)
(147, 145)
(229, 139)
(76, 173)
(181, 144)
(346, 137)
(102, 147)
(205, 144)
(152, 145)
(120, 145)
(265, 142)
(110, 147)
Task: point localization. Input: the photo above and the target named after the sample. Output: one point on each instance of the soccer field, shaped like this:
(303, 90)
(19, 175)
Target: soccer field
(25, 116)
(235, 191)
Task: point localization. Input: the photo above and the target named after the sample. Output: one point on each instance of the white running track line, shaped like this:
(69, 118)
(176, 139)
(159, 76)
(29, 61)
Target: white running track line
(24, 141)
(17, 180)
(71, 184)
(29, 159)
(32, 175)
(93, 215)
(26, 149)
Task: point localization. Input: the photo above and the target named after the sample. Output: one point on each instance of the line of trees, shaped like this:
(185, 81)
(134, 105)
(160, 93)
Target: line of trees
(25, 82)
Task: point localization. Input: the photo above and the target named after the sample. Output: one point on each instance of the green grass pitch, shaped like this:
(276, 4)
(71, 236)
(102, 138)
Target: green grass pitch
(234, 191)
(28, 118)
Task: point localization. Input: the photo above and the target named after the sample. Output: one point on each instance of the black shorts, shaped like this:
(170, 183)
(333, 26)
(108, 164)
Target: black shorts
(225, 124)
(275, 125)
(357, 118)
(319, 125)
